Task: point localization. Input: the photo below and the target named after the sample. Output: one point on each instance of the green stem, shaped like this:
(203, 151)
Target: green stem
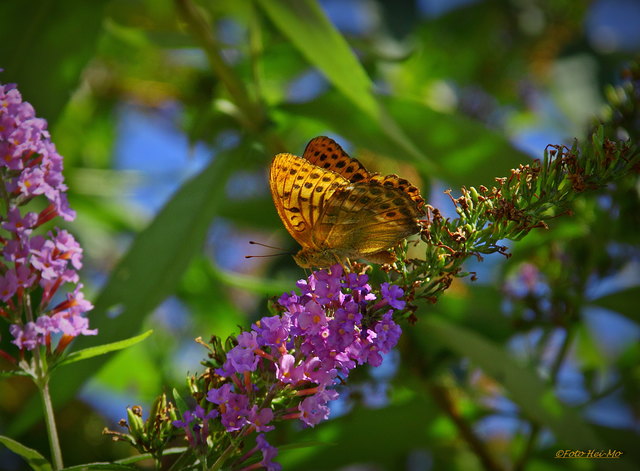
(562, 353)
(443, 399)
(230, 449)
(251, 114)
(184, 461)
(41, 378)
(521, 462)
(535, 427)
(54, 442)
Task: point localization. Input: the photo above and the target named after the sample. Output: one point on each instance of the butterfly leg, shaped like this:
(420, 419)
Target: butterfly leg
(346, 263)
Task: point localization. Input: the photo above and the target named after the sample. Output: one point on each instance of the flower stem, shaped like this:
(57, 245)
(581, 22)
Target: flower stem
(50, 420)
(41, 379)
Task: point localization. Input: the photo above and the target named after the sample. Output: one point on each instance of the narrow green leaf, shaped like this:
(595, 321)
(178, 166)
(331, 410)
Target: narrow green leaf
(457, 149)
(31, 456)
(99, 466)
(624, 302)
(147, 456)
(180, 402)
(307, 27)
(12, 373)
(309, 30)
(102, 349)
(251, 283)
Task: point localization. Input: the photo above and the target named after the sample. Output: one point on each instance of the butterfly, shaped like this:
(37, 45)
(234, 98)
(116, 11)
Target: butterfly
(337, 210)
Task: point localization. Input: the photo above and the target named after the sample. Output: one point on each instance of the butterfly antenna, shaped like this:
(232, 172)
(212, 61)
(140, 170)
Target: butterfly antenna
(253, 242)
(283, 252)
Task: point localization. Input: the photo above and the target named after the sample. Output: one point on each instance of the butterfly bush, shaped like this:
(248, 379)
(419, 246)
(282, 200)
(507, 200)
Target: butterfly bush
(287, 366)
(31, 169)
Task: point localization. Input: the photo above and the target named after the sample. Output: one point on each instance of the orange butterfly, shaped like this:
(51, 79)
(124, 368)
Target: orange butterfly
(336, 210)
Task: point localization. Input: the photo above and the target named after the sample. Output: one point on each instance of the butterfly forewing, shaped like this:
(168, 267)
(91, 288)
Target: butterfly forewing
(300, 191)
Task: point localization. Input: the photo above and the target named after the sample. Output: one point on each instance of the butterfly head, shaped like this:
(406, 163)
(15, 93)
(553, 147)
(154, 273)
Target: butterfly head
(311, 258)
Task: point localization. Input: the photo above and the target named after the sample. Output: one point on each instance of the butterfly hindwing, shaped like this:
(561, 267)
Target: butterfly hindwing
(327, 154)
(403, 185)
(324, 152)
(365, 218)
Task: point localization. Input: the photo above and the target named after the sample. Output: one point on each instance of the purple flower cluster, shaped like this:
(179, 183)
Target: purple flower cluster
(319, 336)
(335, 324)
(30, 167)
(31, 164)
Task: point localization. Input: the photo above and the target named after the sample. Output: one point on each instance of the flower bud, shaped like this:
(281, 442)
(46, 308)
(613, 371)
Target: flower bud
(474, 194)
(488, 204)
(158, 406)
(135, 422)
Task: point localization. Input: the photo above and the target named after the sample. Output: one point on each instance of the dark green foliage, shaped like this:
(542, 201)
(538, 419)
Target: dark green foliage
(453, 92)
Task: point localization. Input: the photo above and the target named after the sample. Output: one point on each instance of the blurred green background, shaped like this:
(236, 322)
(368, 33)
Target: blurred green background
(168, 126)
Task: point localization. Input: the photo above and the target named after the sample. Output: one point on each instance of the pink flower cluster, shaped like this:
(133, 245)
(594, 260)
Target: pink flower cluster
(29, 159)
(30, 167)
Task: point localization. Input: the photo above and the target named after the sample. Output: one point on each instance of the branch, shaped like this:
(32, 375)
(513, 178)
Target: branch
(444, 400)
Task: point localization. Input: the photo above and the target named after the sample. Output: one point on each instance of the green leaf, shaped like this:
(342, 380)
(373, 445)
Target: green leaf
(252, 212)
(466, 150)
(180, 402)
(145, 456)
(146, 275)
(589, 355)
(452, 147)
(309, 30)
(70, 30)
(125, 462)
(362, 436)
(99, 466)
(252, 283)
(624, 302)
(31, 456)
(103, 349)
(12, 373)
